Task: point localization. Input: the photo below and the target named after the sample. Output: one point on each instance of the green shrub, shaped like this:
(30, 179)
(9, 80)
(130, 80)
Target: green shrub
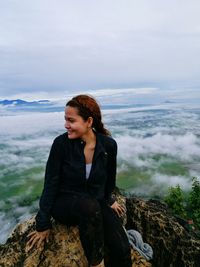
(175, 200)
(194, 202)
(187, 207)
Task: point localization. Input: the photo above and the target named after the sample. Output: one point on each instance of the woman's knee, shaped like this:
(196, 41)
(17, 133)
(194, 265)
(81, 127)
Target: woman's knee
(89, 208)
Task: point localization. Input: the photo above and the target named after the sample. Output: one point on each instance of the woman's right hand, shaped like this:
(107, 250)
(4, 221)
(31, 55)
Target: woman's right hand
(119, 209)
(36, 238)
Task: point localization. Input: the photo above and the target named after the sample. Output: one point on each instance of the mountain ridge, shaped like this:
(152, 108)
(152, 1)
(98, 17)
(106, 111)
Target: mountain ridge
(19, 102)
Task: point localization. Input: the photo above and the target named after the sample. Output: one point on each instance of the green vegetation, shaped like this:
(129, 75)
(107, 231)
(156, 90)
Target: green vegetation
(20, 189)
(173, 168)
(194, 201)
(175, 200)
(22, 183)
(185, 205)
(131, 178)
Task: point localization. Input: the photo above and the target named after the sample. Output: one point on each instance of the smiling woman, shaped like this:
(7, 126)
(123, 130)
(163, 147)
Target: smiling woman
(74, 194)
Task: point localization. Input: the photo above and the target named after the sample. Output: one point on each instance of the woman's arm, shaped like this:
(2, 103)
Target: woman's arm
(111, 171)
(111, 180)
(52, 175)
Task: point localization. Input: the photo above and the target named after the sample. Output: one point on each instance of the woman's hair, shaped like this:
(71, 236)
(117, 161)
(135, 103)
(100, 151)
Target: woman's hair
(87, 107)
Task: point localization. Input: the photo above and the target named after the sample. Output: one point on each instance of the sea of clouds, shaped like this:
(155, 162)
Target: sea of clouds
(141, 133)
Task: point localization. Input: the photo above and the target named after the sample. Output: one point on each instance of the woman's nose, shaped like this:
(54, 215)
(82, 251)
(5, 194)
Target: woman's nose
(66, 125)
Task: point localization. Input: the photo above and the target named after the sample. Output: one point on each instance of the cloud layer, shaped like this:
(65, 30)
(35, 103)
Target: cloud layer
(158, 146)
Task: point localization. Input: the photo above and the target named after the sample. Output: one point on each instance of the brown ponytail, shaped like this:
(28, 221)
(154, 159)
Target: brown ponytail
(88, 107)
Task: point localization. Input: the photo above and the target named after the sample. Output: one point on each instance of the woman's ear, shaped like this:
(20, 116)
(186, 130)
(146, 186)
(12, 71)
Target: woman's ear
(90, 122)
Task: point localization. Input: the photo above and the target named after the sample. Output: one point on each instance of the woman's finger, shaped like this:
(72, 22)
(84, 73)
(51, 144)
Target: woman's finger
(30, 241)
(119, 208)
(42, 239)
(32, 233)
(117, 211)
(47, 238)
(32, 237)
(33, 241)
(123, 208)
(39, 242)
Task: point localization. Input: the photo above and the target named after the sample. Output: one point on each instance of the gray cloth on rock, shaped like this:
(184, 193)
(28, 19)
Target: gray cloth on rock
(136, 241)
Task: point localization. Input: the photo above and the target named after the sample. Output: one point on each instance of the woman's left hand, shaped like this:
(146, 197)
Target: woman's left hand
(118, 208)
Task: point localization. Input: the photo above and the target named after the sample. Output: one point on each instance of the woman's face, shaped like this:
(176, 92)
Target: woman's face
(76, 126)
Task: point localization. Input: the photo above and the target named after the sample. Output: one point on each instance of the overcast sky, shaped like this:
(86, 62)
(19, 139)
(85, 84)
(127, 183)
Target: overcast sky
(58, 46)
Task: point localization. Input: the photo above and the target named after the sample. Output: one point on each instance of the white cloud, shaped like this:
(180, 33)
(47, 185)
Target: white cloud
(171, 181)
(122, 91)
(31, 124)
(72, 45)
(181, 147)
(100, 93)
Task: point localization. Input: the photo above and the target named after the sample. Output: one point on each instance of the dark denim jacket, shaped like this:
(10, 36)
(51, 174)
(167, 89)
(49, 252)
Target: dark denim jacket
(66, 173)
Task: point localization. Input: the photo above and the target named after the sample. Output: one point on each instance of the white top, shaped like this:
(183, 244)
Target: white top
(88, 169)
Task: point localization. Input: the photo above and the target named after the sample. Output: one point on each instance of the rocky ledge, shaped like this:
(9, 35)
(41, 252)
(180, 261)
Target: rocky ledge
(172, 244)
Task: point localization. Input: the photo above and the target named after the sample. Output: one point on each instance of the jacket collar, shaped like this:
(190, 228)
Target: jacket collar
(99, 148)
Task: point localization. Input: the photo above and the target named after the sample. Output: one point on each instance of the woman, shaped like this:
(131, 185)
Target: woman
(79, 179)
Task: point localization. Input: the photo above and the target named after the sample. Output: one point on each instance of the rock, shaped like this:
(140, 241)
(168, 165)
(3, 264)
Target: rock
(172, 244)
(63, 249)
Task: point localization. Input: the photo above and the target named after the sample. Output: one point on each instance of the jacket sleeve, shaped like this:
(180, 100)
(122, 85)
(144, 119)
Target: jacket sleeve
(111, 172)
(50, 189)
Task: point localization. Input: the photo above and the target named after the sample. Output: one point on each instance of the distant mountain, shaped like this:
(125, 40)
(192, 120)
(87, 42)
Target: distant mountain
(19, 102)
(169, 102)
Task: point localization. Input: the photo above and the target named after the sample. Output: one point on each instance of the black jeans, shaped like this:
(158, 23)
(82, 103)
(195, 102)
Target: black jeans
(99, 226)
